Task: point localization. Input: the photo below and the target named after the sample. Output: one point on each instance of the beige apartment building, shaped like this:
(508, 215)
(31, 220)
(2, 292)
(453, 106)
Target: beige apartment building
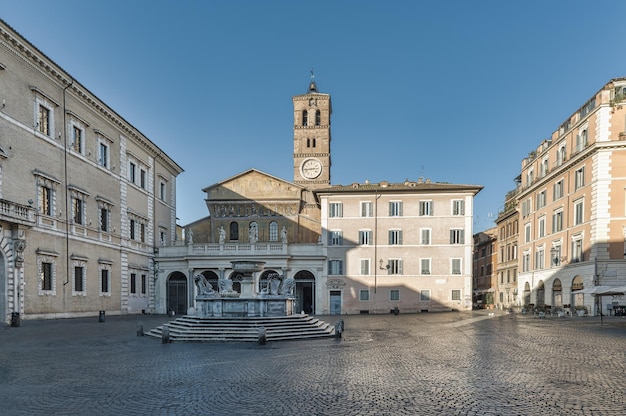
(85, 198)
(398, 245)
(483, 269)
(507, 226)
(572, 215)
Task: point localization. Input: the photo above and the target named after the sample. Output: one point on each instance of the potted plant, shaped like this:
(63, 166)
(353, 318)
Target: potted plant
(581, 310)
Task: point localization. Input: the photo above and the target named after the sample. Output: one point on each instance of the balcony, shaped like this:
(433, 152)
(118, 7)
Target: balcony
(17, 213)
(240, 250)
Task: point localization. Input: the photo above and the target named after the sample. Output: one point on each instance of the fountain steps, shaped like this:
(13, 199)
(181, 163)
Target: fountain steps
(213, 329)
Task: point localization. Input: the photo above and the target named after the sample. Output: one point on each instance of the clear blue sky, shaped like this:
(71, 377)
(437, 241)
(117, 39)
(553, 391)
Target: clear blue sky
(455, 91)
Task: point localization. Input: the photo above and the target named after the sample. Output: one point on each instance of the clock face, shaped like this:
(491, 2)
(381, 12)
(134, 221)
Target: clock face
(311, 168)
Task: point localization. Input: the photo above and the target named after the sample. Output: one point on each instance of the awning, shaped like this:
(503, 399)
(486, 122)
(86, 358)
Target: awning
(603, 290)
(479, 291)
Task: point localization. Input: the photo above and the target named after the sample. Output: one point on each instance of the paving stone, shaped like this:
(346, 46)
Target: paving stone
(407, 364)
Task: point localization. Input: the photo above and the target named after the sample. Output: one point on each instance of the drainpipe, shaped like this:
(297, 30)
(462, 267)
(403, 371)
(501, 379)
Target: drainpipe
(67, 221)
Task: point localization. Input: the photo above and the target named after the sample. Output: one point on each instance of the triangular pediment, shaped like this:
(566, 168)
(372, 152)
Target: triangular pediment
(253, 185)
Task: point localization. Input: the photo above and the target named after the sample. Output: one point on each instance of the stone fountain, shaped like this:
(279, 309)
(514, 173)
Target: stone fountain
(277, 299)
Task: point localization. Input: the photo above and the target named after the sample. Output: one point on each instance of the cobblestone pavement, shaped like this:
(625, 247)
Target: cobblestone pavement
(417, 364)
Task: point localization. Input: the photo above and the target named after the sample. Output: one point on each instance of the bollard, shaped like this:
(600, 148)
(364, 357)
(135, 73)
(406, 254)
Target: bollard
(101, 316)
(262, 336)
(338, 329)
(165, 335)
(15, 319)
(140, 329)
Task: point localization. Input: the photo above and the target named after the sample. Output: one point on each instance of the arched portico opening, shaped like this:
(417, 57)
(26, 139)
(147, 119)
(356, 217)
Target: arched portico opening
(305, 291)
(526, 294)
(541, 295)
(578, 299)
(177, 290)
(557, 293)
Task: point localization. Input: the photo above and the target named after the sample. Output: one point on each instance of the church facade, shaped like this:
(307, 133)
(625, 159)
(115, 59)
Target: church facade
(361, 248)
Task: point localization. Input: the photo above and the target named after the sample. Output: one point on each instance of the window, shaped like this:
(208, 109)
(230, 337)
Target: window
(77, 139)
(335, 210)
(162, 236)
(318, 117)
(457, 236)
(395, 208)
(394, 294)
(234, 231)
(579, 178)
(365, 267)
(144, 287)
(557, 190)
(527, 206)
(46, 200)
(426, 208)
(530, 176)
(132, 172)
(539, 259)
(543, 167)
(365, 237)
(77, 210)
(104, 281)
(45, 275)
(561, 155)
(132, 229)
(577, 249)
(557, 221)
(142, 228)
(578, 212)
(425, 236)
(425, 266)
(366, 209)
(581, 140)
(527, 235)
(541, 227)
(455, 294)
(458, 207)
(162, 191)
(526, 262)
(395, 266)
(424, 295)
(395, 237)
(44, 125)
(103, 155)
(455, 266)
(555, 255)
(541, 199)
(305, 118)
(273, 231)
(364, 295)
(142, 179)
(104, 219)
(79, 279)
(335, 238)
(335, 267)
(133, 283)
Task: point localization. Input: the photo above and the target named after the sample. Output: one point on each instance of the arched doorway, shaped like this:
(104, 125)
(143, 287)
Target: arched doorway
(557, 293)
(578, 299)
(3, 289)
(177, 293)
(541, 295)
(526, 294)
(305, 291)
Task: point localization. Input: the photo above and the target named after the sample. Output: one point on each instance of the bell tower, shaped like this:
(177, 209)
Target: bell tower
(311, 138)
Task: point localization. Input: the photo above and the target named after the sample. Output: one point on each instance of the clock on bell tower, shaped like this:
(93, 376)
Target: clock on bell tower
(311, 138)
